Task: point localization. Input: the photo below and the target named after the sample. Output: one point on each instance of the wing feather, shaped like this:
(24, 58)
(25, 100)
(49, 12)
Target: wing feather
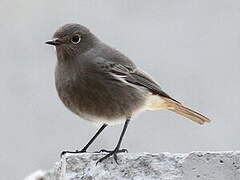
(134, 76)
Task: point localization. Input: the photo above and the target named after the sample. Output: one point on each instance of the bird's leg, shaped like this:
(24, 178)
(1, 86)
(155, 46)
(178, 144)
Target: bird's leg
(88, 144)
(116, 150)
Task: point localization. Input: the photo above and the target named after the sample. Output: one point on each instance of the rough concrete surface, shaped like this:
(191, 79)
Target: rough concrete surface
(146, 166)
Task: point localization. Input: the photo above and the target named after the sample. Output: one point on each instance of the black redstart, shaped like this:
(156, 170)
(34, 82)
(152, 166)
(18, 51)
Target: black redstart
(100, 84)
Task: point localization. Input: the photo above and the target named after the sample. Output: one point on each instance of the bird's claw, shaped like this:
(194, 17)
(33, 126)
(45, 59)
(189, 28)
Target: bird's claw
(111, 153)
(107, 151)
(72, 152)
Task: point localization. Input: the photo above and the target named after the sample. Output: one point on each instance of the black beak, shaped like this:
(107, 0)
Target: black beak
(54, 42)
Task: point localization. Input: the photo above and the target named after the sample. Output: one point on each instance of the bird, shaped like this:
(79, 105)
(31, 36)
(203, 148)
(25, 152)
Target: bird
(102, 85)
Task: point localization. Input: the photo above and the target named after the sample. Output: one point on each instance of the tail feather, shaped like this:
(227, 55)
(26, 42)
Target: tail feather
(184, 111)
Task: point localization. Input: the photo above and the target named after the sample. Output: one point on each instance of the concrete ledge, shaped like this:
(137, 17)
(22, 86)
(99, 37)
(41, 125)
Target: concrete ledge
(146, 166)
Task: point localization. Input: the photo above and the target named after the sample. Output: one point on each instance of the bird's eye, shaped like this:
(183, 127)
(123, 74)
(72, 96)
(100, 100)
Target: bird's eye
(76, 39)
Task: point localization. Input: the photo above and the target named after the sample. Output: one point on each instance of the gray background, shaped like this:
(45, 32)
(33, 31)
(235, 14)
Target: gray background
(191, 47)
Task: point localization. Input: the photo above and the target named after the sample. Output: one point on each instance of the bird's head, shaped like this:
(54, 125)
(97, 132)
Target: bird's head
(71, 40)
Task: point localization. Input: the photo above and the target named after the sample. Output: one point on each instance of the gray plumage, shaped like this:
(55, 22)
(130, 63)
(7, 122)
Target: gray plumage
(102, 85)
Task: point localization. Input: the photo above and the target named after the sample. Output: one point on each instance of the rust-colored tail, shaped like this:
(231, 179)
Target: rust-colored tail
(184, 111)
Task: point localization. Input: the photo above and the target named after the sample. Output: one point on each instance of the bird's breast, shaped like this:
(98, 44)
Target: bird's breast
(95, 95)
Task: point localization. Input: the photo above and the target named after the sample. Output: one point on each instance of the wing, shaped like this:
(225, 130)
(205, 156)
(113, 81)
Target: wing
(142, 79)
(132, 75)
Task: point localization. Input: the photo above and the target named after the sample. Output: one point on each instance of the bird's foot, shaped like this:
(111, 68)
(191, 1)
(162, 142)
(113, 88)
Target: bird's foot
(111, 153)
(108, 151)
(72, 152)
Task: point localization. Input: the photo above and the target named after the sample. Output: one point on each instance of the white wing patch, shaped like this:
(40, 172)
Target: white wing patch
(122, 79)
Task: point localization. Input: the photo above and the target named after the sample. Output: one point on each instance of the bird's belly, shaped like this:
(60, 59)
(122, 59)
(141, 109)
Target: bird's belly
(103, 105)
